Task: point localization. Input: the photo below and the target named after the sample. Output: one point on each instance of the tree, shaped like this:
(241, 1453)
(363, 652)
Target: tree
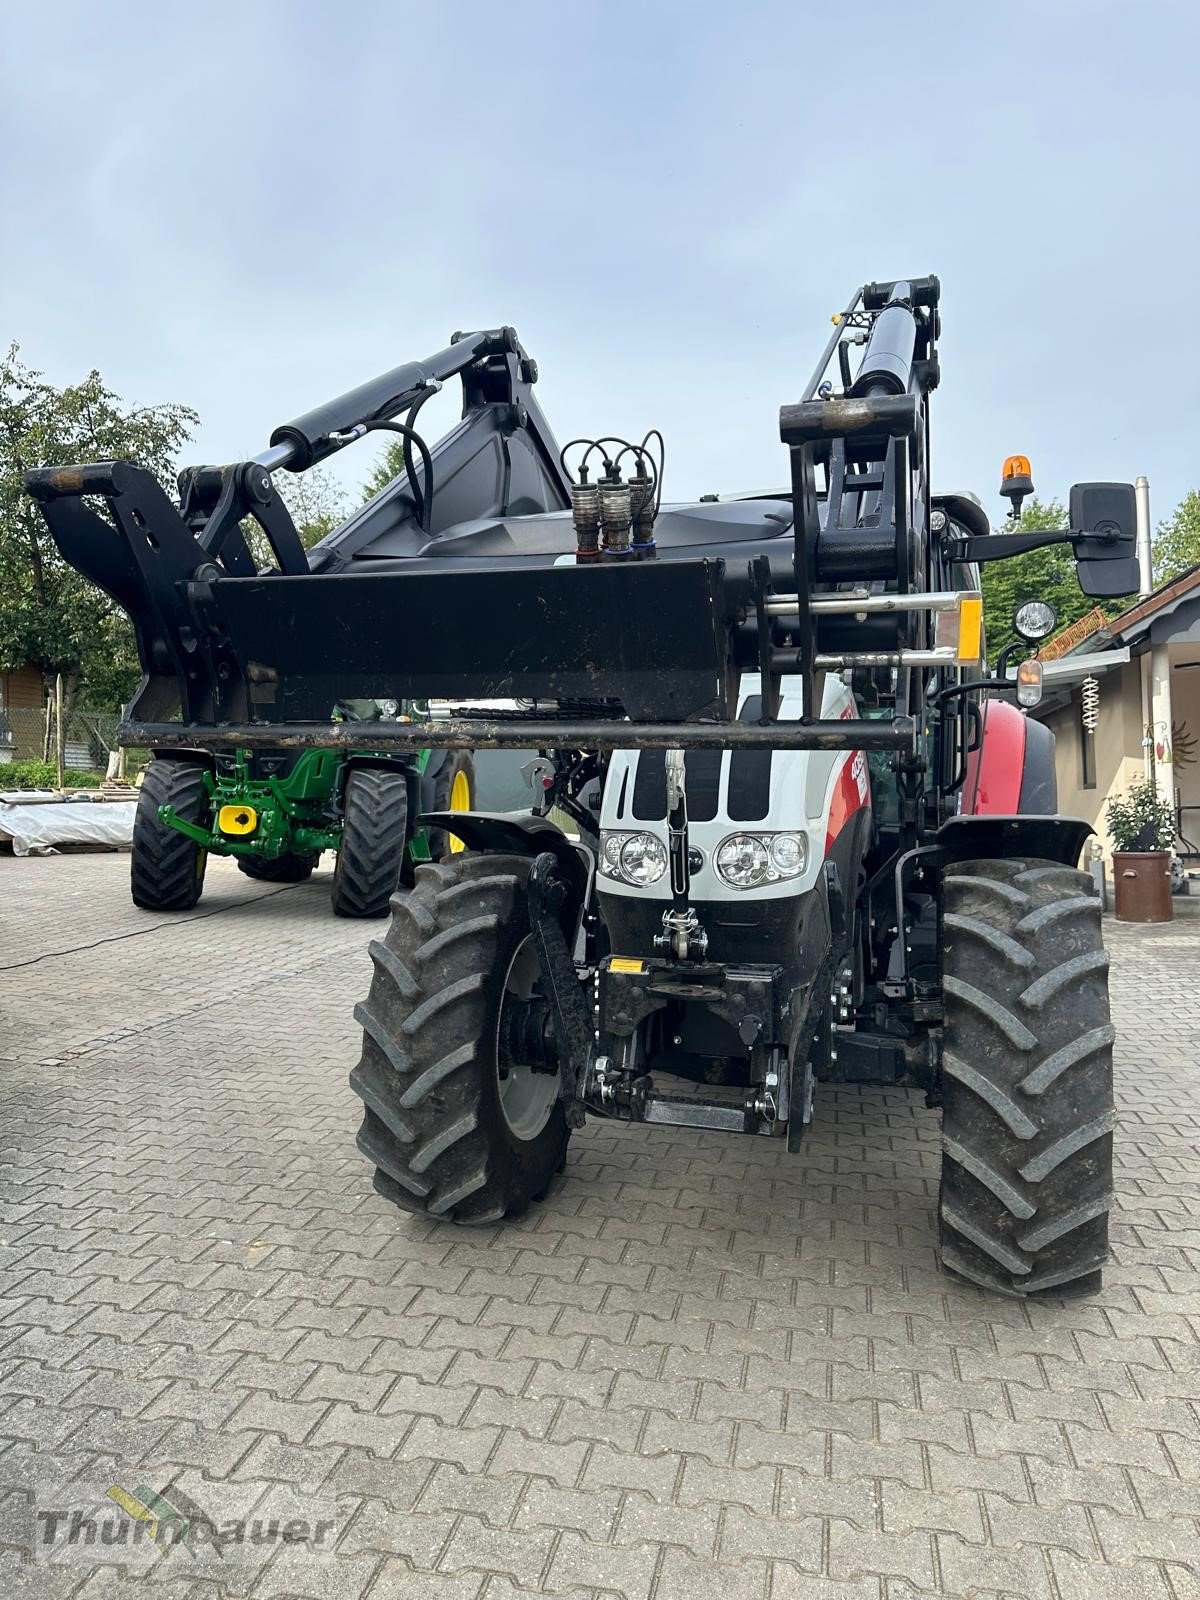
(49, 614)
(1047, 574)
(389, 465)
(1177, 540)
(316, 500)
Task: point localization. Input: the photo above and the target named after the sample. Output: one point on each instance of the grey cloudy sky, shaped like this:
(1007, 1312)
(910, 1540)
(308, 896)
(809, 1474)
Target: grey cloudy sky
(253, 207)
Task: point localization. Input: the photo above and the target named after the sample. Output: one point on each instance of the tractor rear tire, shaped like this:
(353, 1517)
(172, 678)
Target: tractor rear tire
(293, 867)
(456, 1129)
(1027, 1079)
(452, 789)
(374, 838)
(166, 869)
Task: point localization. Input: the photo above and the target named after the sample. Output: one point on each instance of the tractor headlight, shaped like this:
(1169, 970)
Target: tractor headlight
(750, 860)
(1034, 620)
(789, 854)
(639, 859)
(643, 859)
(743, 861)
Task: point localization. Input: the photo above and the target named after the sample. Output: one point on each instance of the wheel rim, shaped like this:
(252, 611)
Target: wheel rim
(460, 800)
(526, 1097)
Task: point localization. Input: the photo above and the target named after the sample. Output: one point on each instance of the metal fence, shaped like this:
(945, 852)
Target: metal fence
(28, 735)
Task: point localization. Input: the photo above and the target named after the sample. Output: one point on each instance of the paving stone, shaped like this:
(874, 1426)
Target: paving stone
(700, 1368)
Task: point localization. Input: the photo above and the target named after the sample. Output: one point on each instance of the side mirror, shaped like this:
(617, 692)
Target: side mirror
(1105, 552)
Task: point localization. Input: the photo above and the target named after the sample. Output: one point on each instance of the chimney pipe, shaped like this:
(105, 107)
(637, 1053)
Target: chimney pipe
(1144, 552)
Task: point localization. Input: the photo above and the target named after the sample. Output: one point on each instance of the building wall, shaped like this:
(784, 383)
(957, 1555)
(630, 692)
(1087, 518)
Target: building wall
(1117, 743)
(21, 690)
(1185, 712)
(22, 720)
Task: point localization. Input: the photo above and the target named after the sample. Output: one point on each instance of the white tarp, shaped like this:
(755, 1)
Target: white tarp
(36, 829)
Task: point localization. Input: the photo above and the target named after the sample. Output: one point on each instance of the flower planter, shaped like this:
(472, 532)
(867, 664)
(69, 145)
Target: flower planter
(1142, 885)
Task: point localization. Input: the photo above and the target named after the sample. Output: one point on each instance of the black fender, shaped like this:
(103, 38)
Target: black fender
(357, 760)
(202, 758)
(519, 834)
(844, 876)
(375, 758)
(437, 760)
(985, 837)
(1047, 838)
(1039, 780)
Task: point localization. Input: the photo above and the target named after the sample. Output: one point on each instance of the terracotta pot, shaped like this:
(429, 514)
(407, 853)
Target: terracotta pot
(1142, 885)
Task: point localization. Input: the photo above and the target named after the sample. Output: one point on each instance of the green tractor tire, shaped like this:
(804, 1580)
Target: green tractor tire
(166, 870)
(374, 837)
(451, 788)
(292, 867)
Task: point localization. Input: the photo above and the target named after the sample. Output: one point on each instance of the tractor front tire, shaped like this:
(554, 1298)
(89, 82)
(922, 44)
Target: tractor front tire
(452, 788)
(374, 838)
(1027, 1079)
(457, 1128)
(166, 869)
(292, 867)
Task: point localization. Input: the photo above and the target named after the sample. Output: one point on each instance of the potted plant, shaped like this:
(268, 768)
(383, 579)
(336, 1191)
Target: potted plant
(1142, 825)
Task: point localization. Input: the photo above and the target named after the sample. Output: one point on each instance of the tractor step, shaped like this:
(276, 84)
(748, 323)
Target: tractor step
(687, 1111)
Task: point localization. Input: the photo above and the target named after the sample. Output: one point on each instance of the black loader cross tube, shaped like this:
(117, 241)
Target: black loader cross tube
(518, 733)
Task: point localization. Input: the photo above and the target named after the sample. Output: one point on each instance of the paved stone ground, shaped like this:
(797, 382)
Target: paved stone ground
(700, 1368)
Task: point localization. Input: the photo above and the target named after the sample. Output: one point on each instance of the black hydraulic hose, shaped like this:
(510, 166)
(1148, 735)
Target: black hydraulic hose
(423, 502)
(661, 467)
(410, 422)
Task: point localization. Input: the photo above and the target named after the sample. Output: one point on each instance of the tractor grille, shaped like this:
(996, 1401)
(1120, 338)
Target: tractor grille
(703, 769)
(749, 785)
(749, 791)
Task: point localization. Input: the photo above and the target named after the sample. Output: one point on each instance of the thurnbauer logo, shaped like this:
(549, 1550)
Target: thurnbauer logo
(167, 1525)
(160, 1523)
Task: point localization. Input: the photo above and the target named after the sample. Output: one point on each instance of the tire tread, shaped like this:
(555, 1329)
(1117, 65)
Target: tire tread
(164, 873)
(374, 839)
(427, 1069)
(1027, 1079)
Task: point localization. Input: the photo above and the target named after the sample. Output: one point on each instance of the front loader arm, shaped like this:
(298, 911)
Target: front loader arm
(143, 562)
(170, 568)
(643, 653)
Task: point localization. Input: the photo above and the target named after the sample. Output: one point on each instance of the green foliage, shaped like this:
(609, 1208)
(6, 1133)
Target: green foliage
(316, 500)
(1039, 575)
(44, 775)
(1177, 540)
(111, 670)
(317, 503)
(1141, 819)
(49, 614)
(389, 465)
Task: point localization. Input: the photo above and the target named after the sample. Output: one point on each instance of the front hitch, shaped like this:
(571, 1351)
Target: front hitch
(682, 936)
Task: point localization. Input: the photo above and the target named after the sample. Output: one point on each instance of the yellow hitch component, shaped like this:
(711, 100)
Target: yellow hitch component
(237, 820)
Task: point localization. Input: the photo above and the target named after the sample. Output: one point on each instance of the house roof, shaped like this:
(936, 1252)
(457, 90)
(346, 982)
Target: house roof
(1131, 624)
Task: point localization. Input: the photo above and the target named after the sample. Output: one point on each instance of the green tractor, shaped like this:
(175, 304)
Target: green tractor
(275, 811)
